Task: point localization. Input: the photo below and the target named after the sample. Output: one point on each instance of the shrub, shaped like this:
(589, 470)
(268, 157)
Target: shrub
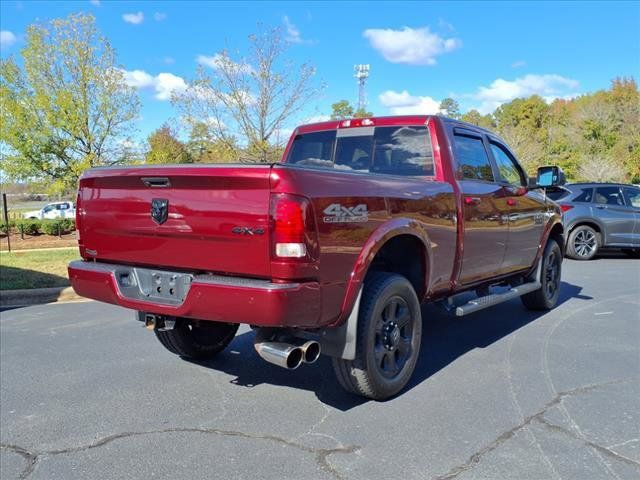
(28, 226)
(59, 226)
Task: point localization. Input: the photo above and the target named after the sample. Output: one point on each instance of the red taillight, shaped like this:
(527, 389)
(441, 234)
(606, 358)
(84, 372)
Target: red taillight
(291, 226)
(566, 207)
(78, 217)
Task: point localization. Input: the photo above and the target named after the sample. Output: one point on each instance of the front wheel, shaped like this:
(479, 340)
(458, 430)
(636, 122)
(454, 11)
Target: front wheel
(388, 339)
(200, 340)
(546, 297)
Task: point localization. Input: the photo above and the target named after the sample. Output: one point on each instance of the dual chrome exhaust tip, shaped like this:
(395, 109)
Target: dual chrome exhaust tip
(289, 355)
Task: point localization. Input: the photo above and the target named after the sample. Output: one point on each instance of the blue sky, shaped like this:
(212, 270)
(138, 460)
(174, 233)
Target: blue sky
(482, 54)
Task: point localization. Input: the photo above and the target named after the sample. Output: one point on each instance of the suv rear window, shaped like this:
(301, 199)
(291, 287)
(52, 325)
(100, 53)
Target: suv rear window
(404, 150)
(556, 194)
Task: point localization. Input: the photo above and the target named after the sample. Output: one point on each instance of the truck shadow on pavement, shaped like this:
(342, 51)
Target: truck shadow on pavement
(445, 338)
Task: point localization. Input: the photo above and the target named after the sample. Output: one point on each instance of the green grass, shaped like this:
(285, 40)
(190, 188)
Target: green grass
(35, 269)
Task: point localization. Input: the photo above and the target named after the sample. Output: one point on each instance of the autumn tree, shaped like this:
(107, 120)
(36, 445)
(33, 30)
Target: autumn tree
(164, 147)
(67, 107)
(250, 97)
(476, 118)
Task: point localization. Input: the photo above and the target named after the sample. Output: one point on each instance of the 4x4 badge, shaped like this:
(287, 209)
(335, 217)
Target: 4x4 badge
(159, 210)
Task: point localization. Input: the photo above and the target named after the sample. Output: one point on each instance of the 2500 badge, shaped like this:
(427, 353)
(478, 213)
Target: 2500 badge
(336, 213)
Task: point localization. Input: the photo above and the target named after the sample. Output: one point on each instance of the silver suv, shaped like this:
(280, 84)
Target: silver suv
(598, 215)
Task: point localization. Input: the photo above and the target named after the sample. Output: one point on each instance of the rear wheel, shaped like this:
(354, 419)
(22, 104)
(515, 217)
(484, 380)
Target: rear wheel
(546, 297)
(200, 340)
(583, 243)
(388, 339)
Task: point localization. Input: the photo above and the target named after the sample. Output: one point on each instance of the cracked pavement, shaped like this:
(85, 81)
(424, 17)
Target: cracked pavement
(86, 392)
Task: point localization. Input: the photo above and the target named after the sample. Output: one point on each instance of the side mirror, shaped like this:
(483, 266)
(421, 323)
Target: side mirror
(550, 176)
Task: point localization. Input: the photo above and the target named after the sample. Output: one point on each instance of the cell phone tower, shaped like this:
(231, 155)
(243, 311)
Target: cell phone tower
(361, 73)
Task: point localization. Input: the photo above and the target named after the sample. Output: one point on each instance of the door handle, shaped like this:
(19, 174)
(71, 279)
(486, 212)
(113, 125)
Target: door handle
(472, 200)
(601, 207)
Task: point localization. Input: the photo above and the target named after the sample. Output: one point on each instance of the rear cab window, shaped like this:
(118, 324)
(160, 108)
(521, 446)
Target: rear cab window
(584, 195)
(396, 150)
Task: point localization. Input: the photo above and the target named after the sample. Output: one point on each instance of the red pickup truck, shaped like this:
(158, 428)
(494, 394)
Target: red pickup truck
(332, 250)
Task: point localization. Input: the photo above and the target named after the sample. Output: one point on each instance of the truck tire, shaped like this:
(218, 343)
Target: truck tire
(546, 297)
(388, 338)
(583, 243)
(197, 340)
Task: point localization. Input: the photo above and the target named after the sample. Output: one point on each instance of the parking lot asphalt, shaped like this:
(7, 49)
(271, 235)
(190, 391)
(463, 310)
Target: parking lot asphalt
(86, 392)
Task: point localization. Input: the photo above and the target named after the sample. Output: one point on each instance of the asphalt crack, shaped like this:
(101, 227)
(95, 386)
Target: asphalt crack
(475, 458)
(321, 455)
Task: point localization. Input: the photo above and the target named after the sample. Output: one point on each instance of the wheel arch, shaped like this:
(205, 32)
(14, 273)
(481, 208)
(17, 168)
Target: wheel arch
(386, 250)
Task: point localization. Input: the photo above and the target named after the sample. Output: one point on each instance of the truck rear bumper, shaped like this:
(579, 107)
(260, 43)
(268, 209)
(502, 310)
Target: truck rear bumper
(208, 297)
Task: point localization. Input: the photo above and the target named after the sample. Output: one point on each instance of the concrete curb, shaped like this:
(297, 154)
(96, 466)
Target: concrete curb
(37, 296)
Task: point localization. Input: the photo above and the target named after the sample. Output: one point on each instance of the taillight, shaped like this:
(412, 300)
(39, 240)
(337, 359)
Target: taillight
(292, 226)
(566, 207)
(78, 217)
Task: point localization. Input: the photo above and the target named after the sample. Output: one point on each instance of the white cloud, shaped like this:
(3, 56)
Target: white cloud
(518, 64)
(7, 38)
(403, 103)
(169, 60)
(164, 84)
(135, 18)
(293, 32)
(216, 60)
(501, 91)
(159, 16)
(95, 3)
(417, 46)
(167, 83)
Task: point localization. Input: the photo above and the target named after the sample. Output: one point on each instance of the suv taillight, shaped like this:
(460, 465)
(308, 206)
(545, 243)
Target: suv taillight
(565, 207)
(292, 226)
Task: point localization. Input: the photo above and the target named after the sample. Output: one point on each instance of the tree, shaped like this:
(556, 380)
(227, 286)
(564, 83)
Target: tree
(362, 113)
(67, 108)
(450, 108)
(250, 98)
(341, 110)
(476, 118)
(204, 148)
(164, 147)
(601, 169)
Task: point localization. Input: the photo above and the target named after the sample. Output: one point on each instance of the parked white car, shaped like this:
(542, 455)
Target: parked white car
(53, 210)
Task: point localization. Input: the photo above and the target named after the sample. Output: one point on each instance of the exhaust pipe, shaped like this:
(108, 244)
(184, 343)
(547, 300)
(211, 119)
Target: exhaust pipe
(310, 351)
(281, 354)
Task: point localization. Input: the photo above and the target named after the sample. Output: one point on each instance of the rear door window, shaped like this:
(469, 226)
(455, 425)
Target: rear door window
(472, 158)
(609, 196)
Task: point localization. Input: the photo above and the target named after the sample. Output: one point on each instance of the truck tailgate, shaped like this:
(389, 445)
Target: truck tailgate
(216, 217)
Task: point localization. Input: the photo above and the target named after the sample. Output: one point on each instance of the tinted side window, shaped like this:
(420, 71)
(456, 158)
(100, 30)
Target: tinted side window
(473, 162)
(402, 151)
(585, 195)
(313, 149)
(509, 172)
(609, 196)
(632, 196)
